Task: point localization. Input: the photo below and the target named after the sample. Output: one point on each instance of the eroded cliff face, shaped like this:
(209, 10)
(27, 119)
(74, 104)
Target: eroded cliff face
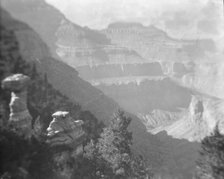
(154, 44)
(76, 47)
(84, 47)
(193, 123)
(28, 10)
(196, 64)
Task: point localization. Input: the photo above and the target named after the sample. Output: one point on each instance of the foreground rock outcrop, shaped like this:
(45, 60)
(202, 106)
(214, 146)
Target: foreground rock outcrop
(67, 132)
(20, 117)
(63, 130)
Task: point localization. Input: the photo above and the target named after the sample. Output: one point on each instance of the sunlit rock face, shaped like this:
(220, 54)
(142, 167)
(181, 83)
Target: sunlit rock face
(156, 120)
(63, 130)
(195, 122)
(19, 117)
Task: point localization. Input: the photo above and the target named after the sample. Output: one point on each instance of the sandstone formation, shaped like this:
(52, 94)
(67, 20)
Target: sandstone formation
(63, 130)
(157, 119)
(193, 123)
(19, 117)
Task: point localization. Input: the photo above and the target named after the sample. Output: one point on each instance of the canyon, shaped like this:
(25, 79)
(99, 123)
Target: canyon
(149, 73)
(171, 87)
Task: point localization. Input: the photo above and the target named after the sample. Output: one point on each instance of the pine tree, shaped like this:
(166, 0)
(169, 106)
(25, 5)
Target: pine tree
(114, 145)
(210, 164)
(113, 151)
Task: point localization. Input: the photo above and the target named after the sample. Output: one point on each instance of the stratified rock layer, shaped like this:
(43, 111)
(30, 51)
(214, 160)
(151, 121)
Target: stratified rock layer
(19, 117)
(193, 123)
(63, 130)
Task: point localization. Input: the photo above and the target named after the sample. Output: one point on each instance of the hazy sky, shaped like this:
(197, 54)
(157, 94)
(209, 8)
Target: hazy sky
(182, 18)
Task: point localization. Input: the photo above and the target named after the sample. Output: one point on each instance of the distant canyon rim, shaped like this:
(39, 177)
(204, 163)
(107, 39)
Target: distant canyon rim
(154, 76)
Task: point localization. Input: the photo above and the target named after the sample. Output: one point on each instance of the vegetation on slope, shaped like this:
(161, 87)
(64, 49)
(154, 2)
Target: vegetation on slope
(33, 158)
(210, 164)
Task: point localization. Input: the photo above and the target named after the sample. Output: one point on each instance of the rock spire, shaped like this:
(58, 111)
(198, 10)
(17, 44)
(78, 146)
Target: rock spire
(20, 117)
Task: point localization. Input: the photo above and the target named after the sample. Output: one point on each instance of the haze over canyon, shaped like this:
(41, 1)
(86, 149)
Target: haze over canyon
(172, 86)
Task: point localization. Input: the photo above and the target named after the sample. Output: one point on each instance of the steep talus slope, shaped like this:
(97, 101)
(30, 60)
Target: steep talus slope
(43, 99)
(24, 10)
